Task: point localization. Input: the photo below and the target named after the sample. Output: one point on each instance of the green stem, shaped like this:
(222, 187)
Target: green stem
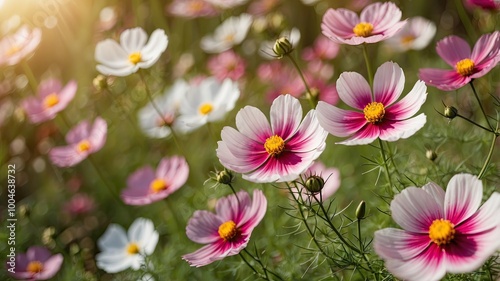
(480, 105)
(465, 19)
(249, 265)
(386, 167)
(368, 66)
(234, 192)
(490, 153)
(29, 74)
(474, 123)
(364, 254)
(391, 157)
(311, 101)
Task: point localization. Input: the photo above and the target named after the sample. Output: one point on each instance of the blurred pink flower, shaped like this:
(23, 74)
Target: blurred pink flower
(83, 140)
(226, 4)
(319, 69)
(79, 204)
(36, 264)
(415, 35)
(272, 153)
(485, 4)
(262, 7)
(467, 65)
(227, 65)
(228, 231)
(51, 99)
(327, 92)
(282, 79)
(377, 22)
(146, 186)
(380, 117)
(191, 8)
(322, 49)
(331, 177)
(442, 231)
(17, 46)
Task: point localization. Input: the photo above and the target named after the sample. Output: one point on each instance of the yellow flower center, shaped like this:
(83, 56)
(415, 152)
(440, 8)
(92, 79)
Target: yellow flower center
(407, 40)
(228, 230)
(133, 248)
(83, 146)
(206, 108)
(274, 145)
(50, 100)
(158, 185)
(229, 38)
(135, 58)
(34, 267)
(195, 6)
(465, 67)
(363, 29)
(374, 112)
(441, 231)
(12, 50)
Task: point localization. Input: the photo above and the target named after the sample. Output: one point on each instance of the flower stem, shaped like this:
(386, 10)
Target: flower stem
(264, 268)
(480, 105)
(363, 251)
(474, 123)
(386, 167)
(490, 153)
(29, 74)
(368, 66)
(311, 101)
(465, 19)
(234, 192)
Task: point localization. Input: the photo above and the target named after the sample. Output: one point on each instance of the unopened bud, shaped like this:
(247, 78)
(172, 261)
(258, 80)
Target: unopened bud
(282, 47)
(314, 184)
(431, 154)
(24, 211)
(224, 177)
(450, 112)
(360, 211)
(313, 95)
(100, 82)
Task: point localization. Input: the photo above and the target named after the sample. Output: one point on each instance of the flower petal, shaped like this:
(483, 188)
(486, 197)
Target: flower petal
(111, 54)
(395, 130)
(436, 192)
(339, 122)
(388, 83)
(392, 243)
(381, 15)
(252, 123)
(485, 219)
(254, 214)
(285, 115)
(233, 207)
(203, 227)
(132, 40)
(446, 80)
(51, 267)
(453, 49)
(338, 24)
(113, 261)
(113, 239)
(156, 45)
(208, 254)
(463, 197)
(354, 90)
(365, 135)
(66, 156)
(409, 105)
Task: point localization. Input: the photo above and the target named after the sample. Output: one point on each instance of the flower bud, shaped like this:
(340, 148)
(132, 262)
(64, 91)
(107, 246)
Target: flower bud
(314, 184)
(431, 154)
(224, 177)
(450, 112)
(100, 82)
(360, 211)
(24, 211)
(282, 47)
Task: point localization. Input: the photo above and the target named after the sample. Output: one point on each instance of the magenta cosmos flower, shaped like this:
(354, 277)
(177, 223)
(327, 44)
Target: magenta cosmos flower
(36, 264)
(83, 140)
(272, 153)
(377, 22)
(467, 65)
(378, 116)
(442, 231)
(51, 99)
(146, 186)
(226, 232)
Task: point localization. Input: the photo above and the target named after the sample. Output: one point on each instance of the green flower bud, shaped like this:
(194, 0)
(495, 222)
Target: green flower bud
(450, 112)
(224, 177)
(282, 47)
(431, 154)
(100, 82)
(361, 210)
(314, 184)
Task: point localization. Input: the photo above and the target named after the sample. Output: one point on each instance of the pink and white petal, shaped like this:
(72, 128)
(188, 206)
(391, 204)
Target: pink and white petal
(392, 243)
(78, 133)
(203, 227)
(287, 167)
(66, 156)
(113, 239)
(414, 210)
(453, 49)
(175, 170)
(38, 253)
(111, 54)
(35, 110)
(208, 254)
(485, 219)
(395, 130)
(244, 155)
(49, 86)
(446, 80)
(140, 179)
(252, 123)
(135, 199)
(463, 197)
(51, 267)
(338, 23)
(285, 115)
(388, 83)
(98, 134)
(436, 192)
(113, 261)
(120, 72)
(254, 214)
(156, 45)
(309, 137)
(365, 135)
(486, 49)
(409, 105)
(133, 40)
(339, 122)
(381, 15)
(390, 31)
(233, 208)
(354, 90)
(66, 95)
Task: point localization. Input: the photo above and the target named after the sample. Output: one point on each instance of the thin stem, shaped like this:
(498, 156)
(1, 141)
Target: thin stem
(103, 179)
(465, 19)
(311, 101)
(386, 167)
(29, 74)
(391, 157)
(362, 249)
(249, 265)
(480, 126)
(490, 153)
(368, 66)
(480, 105)
(234, 191)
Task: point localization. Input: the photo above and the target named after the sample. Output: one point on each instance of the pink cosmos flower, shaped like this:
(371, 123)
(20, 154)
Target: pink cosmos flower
(227, 65)
(15, 47)
(262, 7)
(36, 264)
(377, 22)
(415, 35)
(467, 65)
(272, 153)
(228, 231)
(485, 4)
(322, 49)
(82, 140)
(51, 99)
(283, 79)
(79, 204)
(191, 8)
(442, 231)
(331, 176)
(146, 186)
(378, 116)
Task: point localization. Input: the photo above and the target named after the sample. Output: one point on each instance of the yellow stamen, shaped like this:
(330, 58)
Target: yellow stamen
(274, 145)
(158, 185)
(195, 6)
(34, 267)
(465, 67)
(374, 112)
(363, 29)
(441, 231)
(135, 58)
(205, 108)
(133, 248)
(50, 100)
(229, 38)
(12, 50)
(407, 40)
(228, 230)
(83, 146)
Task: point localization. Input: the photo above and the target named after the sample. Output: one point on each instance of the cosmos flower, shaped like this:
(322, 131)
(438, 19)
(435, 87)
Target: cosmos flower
(120, 250)
(228, 231)
(51, 99)
(377, 22)
(79, 204)
(282, 79)
(227, 65)
(36, 264)
(467, 65)
(442, 231)
(378, 116)
(226, 4)
(83, 140)
(17, 46)
(275, 152)
(485, 4)
(322, 49)
(208, 101)
(146, 186)
(262, 7)
(191, 9)
(230, 33)
(132, 53)
(415, 35)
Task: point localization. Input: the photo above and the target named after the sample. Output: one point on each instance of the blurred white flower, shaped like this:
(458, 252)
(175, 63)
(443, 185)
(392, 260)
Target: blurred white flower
(266, 47)
(415, 35)
(17, 46)
(225, 4)
(120, 250)
(230, 33)
(309, 2)
(132, 53)
(206, 102)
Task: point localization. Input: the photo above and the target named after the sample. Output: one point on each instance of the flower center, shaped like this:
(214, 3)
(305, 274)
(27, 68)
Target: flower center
(34, 267)
(363, 29)
(374, 112)
(195, 6)
(133, 248)
(158, 185)
(441, 231)
(83, 146)
(50, 100)
(135, 58)
(274, 145)
(465, 67)
(228, 230)
(229, 38)
(206, 108)
(167, 120)
(12, 50)
(407, 40)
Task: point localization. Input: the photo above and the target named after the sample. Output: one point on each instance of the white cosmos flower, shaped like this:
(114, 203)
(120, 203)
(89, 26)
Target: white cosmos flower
(207, 102)
(266, 47)
(132, 53)
(415, 35)
(225, 4)
(120, 250)
(156, 126)
(230, 33)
